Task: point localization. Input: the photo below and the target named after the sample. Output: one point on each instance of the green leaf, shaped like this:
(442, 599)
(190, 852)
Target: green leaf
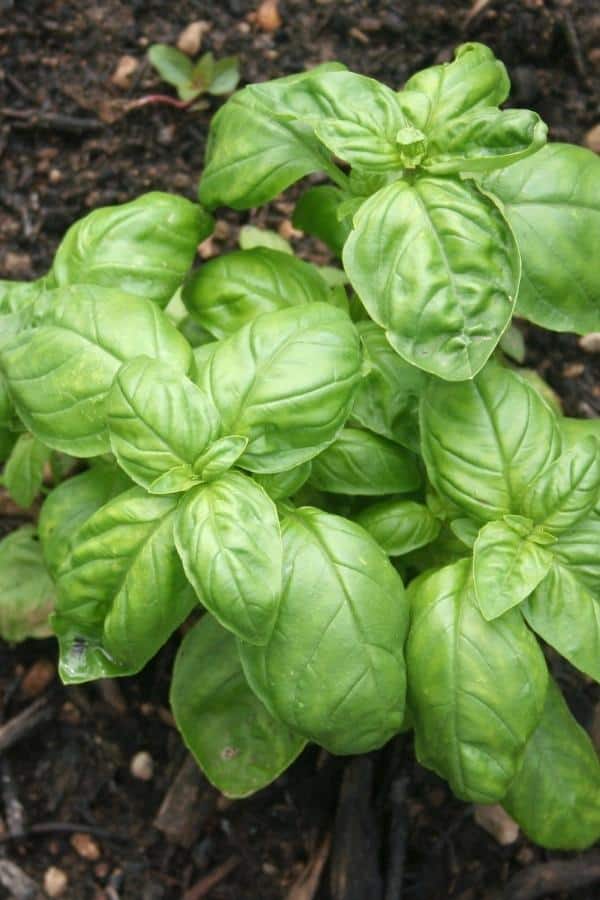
(387, 398)
(144, 247)
(554, 796)
(484, 140)
(227, 535)
(335, 675)
(577, 548)
(566, 614)
(237, 743)
(225, 76)
(24, 469)
(123, 591)
(486, 440)
(366, 464)
(70, 505)
(512, 344)
(252, 155)
(575, 430)
(507, 567)
(399, 526)
(231, 290)
(281, 485)
(552, 202)
(316, 214)
(568, 490)
(172, 65)
(437, 266)
(473, 81)
(220, 456)
(286, 381)
(476, 688)
(251, 237)
(59, 374)
(357, 118)
(160, 424)
(26, 589)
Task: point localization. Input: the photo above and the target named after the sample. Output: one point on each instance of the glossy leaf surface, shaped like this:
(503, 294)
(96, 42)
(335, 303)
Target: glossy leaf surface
(568, 490)
(24, 469)
(366, 464)
(238, 744)
(316, 214)
(399, 526)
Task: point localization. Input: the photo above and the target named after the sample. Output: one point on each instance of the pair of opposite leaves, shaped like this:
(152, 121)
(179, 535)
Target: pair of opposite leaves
(435, 259)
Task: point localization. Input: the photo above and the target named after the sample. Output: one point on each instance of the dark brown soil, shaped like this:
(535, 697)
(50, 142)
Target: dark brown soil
(66, 146)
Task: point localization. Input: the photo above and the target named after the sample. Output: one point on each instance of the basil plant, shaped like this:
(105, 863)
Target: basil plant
(369, 519)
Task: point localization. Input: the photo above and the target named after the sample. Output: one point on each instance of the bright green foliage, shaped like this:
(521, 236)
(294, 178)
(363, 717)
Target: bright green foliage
(193, 79)
(332, 434)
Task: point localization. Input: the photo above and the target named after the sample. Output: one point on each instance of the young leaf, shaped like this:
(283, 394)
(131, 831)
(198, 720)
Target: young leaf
(316, 214)
(236, 742)
(568, 490)
(484, 140)
(286, 381)
(227, 535)
(507, 567)
(60, 373)
(252, 155)
(172, 65)
(220, 456)
(387, 398)
(343, 611)
(70, 505)
(476, 688)
(566, 614)
(399, 526)
(24, 469)
(122, 591)
(473, 81)
(251, 237)
(552, 201)
(359, 462)
(554, 796)
(144, 247)
(231, 290)
(281, 485)
(225, 76)
(437, 266)
(26, 589)
(485, 441)
(159, 424)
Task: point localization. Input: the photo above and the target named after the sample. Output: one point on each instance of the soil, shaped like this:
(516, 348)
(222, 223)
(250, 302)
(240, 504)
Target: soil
(67, 145)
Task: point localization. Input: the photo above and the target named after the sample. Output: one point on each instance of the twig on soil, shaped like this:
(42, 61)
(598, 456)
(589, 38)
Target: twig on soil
(396, 840)
(160, 100)
(18, 883)
(112, 695)
(552, 877)
(189, 801)
(570, 32)
(208, 882)
(25, 722)
(14, 810)
(45, 828)
(307, 884)
(37, 118)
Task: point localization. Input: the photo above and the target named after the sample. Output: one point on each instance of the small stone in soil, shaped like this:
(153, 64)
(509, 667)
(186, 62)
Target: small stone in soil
(38, 677)
(85, 846)
(590, 342)
(142, 766)
(55, 882)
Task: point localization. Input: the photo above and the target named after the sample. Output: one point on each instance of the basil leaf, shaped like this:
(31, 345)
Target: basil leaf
(227, 535)
(575, 430)
(24, 469)
(357, 118)
(485, 441)
(26, 590)
(70, 505)
(507, 567)
(577, 549)
(316, 213)
(237, 743)
(59, 373)
(281, 485)
(250, 238)
(552, 202)
(554, 796)
(252, 155)
(122, 591)
(159, 424)
(231, 290)
(220, 456)
(286, 381)
(399, 526)
(566, 614)
(437, 266)
(144, 247)
(366, 464)
(484, 140)
(568, 490)
(336, 675)
(476, 688)
(473, 81)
